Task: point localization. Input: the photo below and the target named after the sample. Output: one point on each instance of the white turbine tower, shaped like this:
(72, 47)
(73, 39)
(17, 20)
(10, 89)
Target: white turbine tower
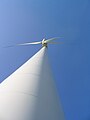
(29, 93)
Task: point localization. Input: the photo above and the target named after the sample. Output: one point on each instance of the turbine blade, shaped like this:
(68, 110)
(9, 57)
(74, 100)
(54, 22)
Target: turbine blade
(23, 44)
(34, 43)
(51, 39)
(56, 42)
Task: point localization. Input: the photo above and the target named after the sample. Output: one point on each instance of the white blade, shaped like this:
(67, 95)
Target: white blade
(29, 43)
(51, 39)
(56, 42)
(24, 44)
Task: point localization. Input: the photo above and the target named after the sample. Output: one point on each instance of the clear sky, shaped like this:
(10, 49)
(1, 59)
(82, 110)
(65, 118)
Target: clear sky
(32, 20)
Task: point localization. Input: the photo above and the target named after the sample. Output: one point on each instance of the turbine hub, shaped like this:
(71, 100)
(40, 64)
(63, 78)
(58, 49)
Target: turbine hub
(44, 43)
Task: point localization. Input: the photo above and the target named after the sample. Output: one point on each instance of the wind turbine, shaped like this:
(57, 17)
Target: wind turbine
(30, 93)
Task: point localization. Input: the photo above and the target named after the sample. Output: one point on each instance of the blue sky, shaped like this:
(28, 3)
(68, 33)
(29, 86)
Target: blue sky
(32, 20)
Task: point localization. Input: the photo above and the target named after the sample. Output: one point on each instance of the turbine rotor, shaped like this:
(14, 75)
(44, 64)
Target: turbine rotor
(44, 42)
